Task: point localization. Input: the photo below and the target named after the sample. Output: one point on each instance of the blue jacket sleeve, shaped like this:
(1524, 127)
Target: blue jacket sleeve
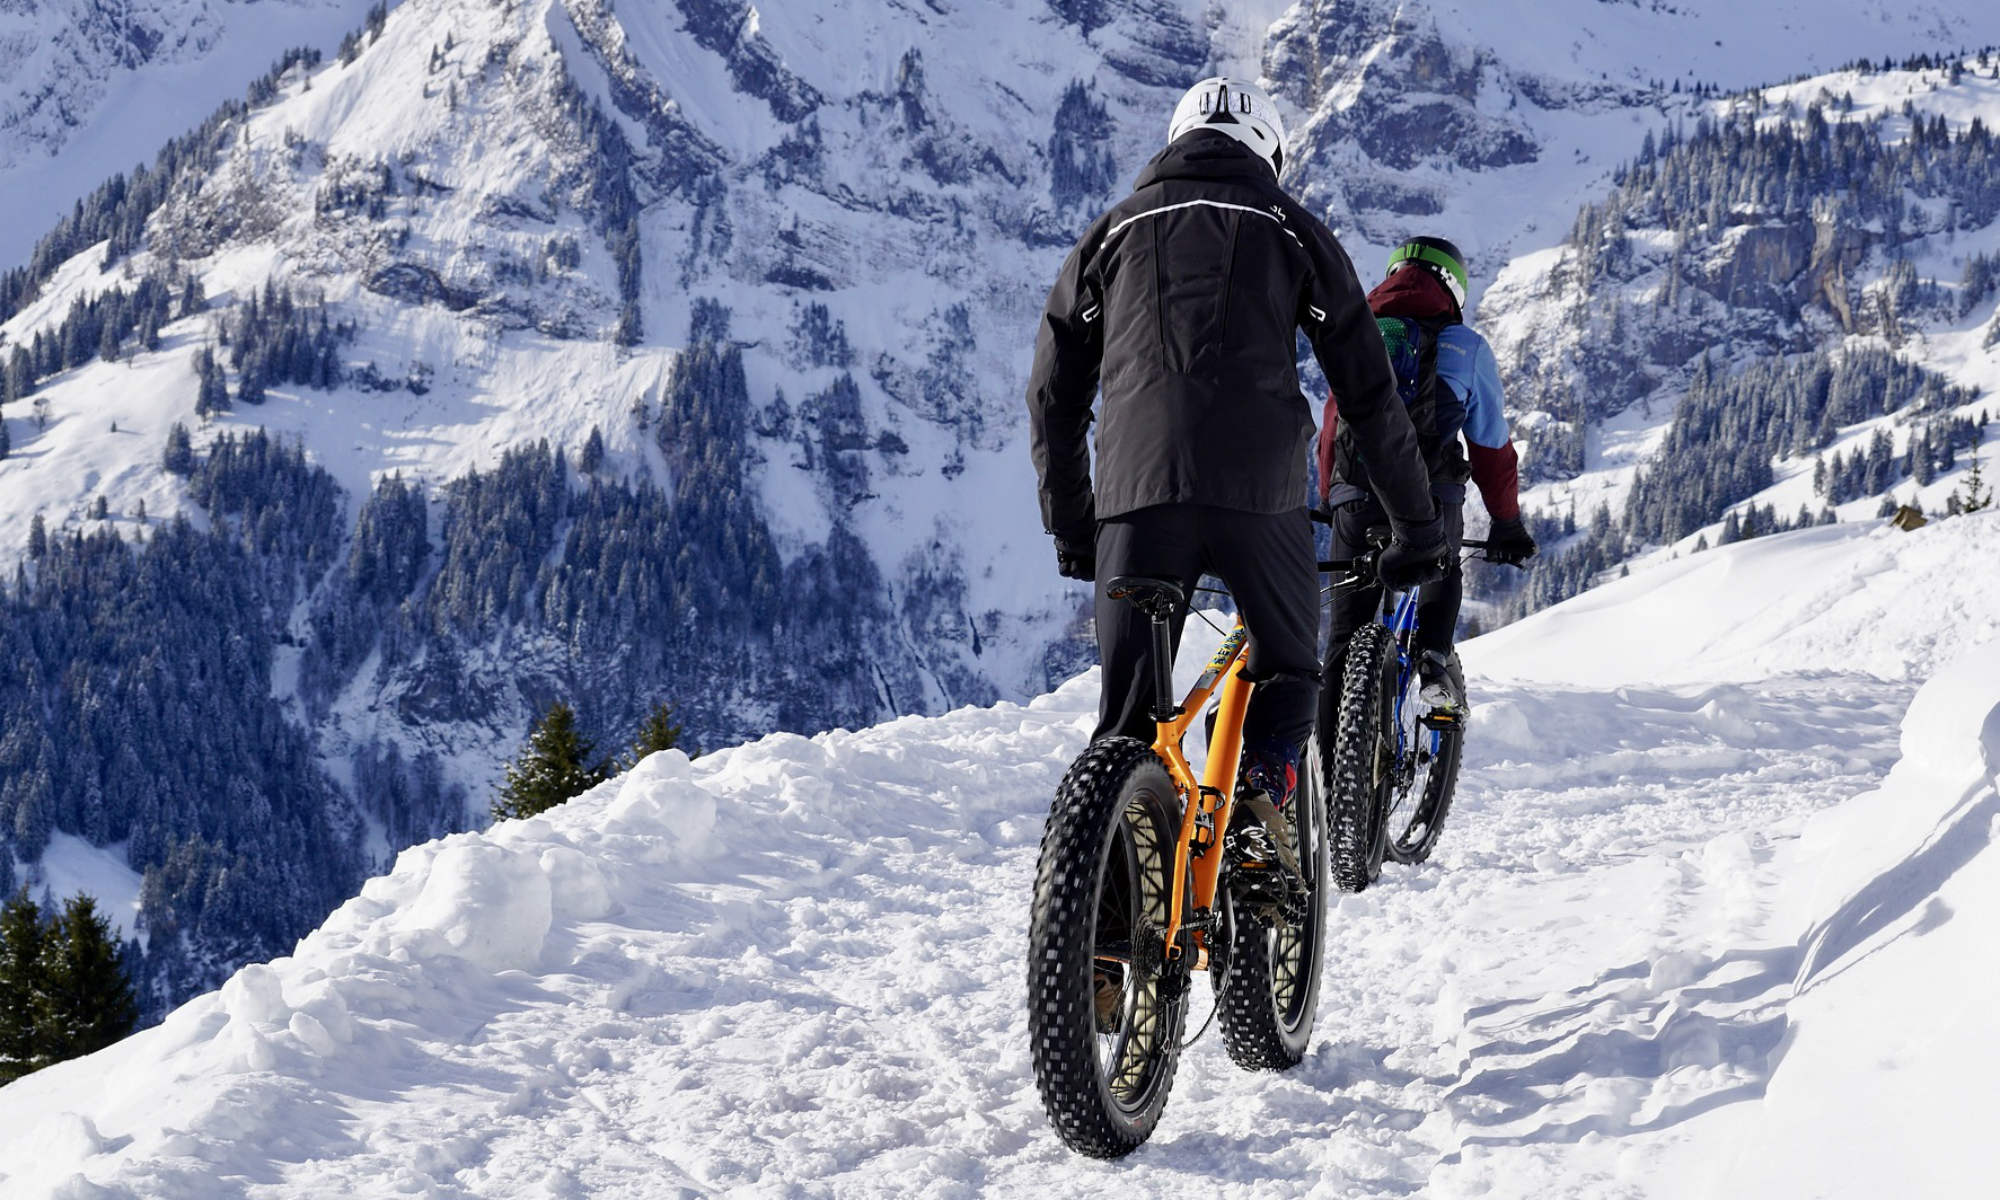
(1466, 362)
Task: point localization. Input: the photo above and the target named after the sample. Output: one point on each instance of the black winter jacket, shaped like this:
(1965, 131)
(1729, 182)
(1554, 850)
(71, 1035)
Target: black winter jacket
(1183, 301)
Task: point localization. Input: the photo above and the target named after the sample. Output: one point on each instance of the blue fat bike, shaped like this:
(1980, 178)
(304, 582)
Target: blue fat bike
(1390, 761)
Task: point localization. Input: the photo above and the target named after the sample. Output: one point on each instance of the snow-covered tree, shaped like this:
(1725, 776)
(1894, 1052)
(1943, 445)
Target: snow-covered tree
(557, 764)
(22, 933)
(658, 732)
(85, 1000)
(1973, 494)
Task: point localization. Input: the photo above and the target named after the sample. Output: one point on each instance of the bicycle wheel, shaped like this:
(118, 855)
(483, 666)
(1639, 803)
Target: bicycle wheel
(1417, 812)
(1361, 771)
(1106, 1008)
(1268, 987)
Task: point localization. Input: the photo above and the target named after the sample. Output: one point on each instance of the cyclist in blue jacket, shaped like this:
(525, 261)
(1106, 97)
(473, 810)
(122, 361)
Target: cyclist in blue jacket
(1456, 392)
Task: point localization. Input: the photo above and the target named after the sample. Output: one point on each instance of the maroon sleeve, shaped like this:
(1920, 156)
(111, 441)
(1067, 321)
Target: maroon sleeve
(1498, 474)
(1329, 425)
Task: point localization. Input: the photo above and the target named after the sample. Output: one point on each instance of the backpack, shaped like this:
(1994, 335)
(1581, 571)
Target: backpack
(1412, 347)
(1438, 415)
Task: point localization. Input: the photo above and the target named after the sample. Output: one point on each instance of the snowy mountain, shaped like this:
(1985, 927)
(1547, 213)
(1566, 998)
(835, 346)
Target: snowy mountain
(1700, 924)
(650, 352)
(1782, 313)
(94, 86)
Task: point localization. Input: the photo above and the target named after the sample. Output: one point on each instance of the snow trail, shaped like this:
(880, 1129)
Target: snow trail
(1653, 925)
(824, 996)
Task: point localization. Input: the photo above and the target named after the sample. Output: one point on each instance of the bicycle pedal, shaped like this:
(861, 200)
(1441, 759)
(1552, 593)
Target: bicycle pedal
(1251, 846)
(1270, 893)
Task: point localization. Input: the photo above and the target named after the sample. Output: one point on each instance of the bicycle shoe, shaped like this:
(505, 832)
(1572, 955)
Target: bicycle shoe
(1443, 684)
(1265, 792)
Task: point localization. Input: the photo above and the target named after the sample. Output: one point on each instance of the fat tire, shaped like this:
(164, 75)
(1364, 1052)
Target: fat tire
(1262, 1030)
(1112, 775)
(1439, 788)
(1356, 787)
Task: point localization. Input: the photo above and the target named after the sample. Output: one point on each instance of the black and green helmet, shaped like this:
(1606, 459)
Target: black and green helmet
(1437, 256)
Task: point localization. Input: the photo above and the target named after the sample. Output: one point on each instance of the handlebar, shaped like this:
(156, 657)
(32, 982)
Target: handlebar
(1361, 572)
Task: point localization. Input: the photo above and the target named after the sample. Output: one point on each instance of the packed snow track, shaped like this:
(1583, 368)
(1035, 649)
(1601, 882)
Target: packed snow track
(826, 993)
(796, 967)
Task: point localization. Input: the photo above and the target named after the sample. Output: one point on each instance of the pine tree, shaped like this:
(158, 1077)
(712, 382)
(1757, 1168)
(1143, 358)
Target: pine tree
(19, 379)
(34, 812)
(659, 732)
(21, 936)
(86, 1000)
(38, 537)
(179, 456)
(1973, 494)
(593, 452)
(555, 765)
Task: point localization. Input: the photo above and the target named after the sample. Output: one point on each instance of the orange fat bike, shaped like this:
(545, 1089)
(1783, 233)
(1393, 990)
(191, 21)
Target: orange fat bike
(1138, 888)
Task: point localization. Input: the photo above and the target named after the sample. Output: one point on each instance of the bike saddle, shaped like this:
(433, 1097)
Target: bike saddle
(1157, 598)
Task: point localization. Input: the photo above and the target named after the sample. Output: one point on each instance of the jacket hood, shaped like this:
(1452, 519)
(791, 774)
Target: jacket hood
(1413, 293)
(1206, 154)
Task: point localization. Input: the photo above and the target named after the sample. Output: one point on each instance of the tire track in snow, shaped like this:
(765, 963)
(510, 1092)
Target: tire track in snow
(823, 996)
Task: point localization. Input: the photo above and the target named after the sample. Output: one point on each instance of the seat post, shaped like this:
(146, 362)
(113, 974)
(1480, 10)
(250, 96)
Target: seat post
(1164, 708)
(1161, 600)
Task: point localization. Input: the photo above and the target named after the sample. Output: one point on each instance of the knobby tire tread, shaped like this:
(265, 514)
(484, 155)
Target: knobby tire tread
(1353, 797)
(1061, 1014)
(1253, 1031)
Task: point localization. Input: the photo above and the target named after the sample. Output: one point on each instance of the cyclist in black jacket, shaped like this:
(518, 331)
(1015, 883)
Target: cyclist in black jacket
(1181, 304)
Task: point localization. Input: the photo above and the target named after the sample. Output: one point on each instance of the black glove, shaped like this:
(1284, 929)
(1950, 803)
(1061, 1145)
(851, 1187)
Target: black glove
(1076, 556)
(1417, 556)
(1510, 543)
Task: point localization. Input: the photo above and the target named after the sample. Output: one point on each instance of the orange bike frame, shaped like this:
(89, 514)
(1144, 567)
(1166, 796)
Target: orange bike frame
(1214, 796)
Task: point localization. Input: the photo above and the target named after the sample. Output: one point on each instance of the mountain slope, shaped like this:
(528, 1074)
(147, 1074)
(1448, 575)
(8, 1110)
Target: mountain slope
(794, 963)
(1782, 313)
(93, 86)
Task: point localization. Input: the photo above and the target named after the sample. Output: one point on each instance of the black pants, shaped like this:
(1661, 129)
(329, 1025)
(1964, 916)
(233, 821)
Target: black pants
(1267, 561)
(1437, 603)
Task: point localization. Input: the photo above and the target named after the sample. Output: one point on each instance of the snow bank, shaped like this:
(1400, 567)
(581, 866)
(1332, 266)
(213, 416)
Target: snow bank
(1853, 597)
(794, 965)
(438, 956)
(1891, 1038)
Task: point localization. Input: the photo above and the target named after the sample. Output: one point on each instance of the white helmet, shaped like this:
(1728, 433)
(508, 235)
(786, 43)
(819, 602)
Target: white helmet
(1238, 109)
